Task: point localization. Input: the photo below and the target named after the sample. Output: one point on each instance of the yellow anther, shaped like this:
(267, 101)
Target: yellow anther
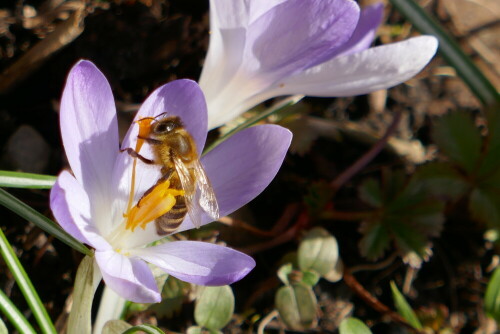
(157, 202)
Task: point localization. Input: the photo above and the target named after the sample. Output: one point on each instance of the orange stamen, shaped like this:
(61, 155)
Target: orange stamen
(144, 128)
(155, 204)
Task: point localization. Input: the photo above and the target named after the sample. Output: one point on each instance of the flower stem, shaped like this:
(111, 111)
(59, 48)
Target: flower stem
(25, 285)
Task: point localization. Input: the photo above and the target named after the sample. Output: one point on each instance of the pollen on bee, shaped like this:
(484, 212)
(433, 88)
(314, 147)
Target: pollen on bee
(155, 203)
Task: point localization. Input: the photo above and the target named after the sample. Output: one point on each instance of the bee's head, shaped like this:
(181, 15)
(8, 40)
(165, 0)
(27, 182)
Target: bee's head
(166, 126)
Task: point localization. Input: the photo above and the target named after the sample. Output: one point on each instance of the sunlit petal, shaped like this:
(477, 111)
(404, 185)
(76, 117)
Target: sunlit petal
(199, 262)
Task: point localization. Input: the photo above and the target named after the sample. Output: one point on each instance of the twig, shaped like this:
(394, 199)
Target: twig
(64, 34)
(266, 320)
(366, 158)
(372, 301)
(291, 233)
(287, 215)
(374, 266)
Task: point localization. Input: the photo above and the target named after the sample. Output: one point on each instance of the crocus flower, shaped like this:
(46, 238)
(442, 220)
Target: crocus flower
(90, 203)
(261, 49)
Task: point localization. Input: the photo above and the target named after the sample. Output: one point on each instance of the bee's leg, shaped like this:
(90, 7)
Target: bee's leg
(135, 154)
(150, 141)
(167, 173)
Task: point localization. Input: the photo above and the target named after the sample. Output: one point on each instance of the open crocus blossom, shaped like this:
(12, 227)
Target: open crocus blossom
(92, 203)
(260, 49)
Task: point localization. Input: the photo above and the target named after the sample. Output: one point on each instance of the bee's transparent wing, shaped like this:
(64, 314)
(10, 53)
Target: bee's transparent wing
(199, 195)
(206, 195)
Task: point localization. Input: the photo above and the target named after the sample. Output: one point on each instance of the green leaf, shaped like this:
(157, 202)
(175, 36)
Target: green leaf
(26, 180)
(458, 137)
(30, 214)
(283, 273)
(318, 251)
(173, 296)
(310, 278)
(317, 197)
(492, 296)
(15, 316)
(404, 309)
(375, 240)
(493, 136)
(297, 306)
(115, 327)
(484, 206)
(370, 193)
(336, 274)
(214, 307)
(353, 326)
(450, 50)
(442, 180)
(79, 320)
(146, 328)
(412, 244)
(200, 330)
(194, 330)
(25, 285)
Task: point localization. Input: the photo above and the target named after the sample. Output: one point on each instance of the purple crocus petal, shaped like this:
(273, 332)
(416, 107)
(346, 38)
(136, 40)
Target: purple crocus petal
(129, 277)
(89, 129)
(243, 166)
(360, 73)
(278, 42)
(71, 208)
(199, 262)
(364, 34)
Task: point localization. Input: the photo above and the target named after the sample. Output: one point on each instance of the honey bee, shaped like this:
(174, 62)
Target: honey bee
(175, 151)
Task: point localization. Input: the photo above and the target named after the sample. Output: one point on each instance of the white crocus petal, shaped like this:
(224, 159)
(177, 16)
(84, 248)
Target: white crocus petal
(360, 73)
(130, 277)
(71, 208)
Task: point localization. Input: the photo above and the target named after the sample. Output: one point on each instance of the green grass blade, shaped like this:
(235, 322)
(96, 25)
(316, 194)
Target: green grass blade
(26, 286)
(251, 121)
(26, 180)
(451, 51)
(14, 315)
(404, 309)
(28, 213)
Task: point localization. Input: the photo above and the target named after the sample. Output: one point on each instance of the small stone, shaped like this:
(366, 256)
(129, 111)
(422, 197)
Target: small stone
(27, 151)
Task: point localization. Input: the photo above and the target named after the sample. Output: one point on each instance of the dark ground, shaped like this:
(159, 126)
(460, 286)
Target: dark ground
(140, 45)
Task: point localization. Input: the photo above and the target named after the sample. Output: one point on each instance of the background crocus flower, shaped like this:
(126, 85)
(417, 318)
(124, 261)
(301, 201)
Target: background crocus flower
(260, 49)
(90, 203)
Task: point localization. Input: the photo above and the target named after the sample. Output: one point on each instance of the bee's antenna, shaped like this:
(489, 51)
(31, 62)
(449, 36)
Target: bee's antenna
(160, 115)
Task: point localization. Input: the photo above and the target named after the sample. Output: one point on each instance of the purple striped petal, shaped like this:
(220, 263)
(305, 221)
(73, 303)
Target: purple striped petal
(369, 21)
(298, 34)
(89, 129)
(199, 262)
(129, 277)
